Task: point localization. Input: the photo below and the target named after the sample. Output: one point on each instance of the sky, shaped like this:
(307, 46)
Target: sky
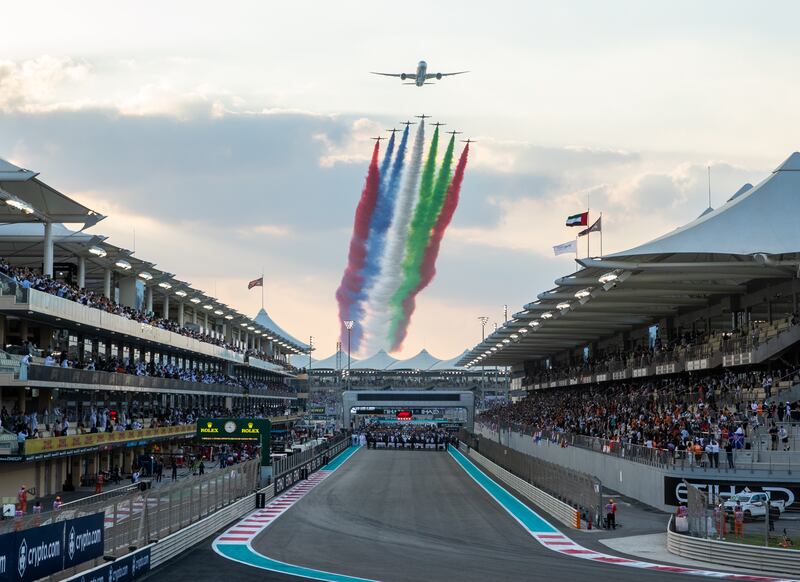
(234, 139)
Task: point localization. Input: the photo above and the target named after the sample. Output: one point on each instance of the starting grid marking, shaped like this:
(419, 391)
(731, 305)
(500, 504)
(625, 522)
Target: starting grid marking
(552, 539)
(252, 525)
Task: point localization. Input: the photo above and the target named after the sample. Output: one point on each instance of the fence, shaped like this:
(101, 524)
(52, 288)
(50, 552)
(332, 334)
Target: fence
(282, 466)
(305, 463)
(775, 561)
(139, 518)
(739, 460)
(565, 513)
(577, 489)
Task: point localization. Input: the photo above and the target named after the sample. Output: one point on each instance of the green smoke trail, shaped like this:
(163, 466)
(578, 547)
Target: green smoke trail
(431, 199)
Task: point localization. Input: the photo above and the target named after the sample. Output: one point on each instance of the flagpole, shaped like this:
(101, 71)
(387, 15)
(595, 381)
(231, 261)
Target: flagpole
(262, 287)
(588, 234)
(601, 234)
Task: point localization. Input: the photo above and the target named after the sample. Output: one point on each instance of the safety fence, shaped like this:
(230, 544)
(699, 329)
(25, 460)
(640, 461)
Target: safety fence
(143, 516)
(751, 516)
(565, 513)
(774, 561)
(160, 551)
(305, 463)
(581, 491)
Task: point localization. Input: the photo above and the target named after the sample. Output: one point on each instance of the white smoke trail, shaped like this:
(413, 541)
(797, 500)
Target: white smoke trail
(378, 316)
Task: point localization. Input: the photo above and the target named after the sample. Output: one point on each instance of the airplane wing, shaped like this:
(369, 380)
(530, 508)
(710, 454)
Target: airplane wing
(406, 75)
(432, 75)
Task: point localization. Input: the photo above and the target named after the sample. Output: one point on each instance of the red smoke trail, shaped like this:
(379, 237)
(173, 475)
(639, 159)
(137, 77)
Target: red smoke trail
(352, 280)
(428, 267)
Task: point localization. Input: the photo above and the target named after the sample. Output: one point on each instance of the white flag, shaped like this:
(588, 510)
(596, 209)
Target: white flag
(565, 248)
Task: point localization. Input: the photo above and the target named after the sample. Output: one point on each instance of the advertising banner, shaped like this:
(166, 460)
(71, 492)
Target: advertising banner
(39, 552)
(675, 490)
(125, 569)
(55, 446)
(84, 539)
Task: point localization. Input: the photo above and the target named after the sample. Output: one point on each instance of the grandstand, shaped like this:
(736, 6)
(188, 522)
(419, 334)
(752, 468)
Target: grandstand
(96, 340)
(668, 353)
(719, 292)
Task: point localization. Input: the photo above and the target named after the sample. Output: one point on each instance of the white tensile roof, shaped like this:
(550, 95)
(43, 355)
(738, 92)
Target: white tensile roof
(760, 219)
(329, 363)
(451, 364)
(753, 236)
(380, 361)
(422, 361)
(263, 319)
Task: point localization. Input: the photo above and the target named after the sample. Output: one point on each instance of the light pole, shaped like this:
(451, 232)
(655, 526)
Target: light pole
(349, 325)
(310, 348)
(484, 320)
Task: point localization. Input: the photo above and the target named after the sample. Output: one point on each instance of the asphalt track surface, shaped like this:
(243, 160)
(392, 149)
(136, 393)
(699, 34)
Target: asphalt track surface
(398, 516)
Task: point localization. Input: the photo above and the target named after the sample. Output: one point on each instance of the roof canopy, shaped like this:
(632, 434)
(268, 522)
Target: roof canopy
(264, 320)
(381, 361)
(760, 219)
(754, 235)
(336, 361)
(28, 199)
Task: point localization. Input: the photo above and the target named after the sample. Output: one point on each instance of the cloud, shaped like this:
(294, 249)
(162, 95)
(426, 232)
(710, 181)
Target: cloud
(352, 147)
(32, 85)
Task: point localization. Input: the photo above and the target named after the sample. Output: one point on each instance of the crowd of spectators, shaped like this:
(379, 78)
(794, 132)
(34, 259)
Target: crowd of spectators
(692, 343)
(102, 419)
(29, 279)
(162, 370)
(670, 414)
(402, 436)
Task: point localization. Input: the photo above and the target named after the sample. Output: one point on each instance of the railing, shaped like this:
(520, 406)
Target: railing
(52, 446)
(287, 464)
(726, 554)
(741, 460)
(34, 300)
(139, 517)
(132, 381)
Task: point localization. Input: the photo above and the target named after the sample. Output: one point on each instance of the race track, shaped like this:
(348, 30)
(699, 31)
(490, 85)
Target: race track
(399, 516)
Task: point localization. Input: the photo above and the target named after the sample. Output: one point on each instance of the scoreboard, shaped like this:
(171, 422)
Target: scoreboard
(398, 412)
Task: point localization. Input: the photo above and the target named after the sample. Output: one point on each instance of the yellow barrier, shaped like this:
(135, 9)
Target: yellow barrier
(46, 445)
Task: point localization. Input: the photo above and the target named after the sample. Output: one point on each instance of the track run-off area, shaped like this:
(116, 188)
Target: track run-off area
(390, 515)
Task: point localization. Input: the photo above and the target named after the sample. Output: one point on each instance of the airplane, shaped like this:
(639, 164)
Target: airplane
(393, 131)
(423, 117)
(437, 124)
(378, 139)
(421, 76)
(468, 141)
(454, 133)
(407, 122)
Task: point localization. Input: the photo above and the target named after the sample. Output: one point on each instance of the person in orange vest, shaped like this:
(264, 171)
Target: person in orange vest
(22, 499)
(98, 483)
(738, 521)
(611, 514)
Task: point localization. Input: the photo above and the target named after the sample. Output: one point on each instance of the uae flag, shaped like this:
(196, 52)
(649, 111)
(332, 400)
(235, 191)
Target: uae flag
(581, 219)
(255, 283)
(596, 227)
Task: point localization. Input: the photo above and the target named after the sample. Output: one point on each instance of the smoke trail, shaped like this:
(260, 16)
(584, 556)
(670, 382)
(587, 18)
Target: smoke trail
(382, 217)
(428, 268)
(428, 209)
(389, 280)
(347, 293)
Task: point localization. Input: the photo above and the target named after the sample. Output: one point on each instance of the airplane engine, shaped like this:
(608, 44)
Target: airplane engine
(439, 76)
(403, 77)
